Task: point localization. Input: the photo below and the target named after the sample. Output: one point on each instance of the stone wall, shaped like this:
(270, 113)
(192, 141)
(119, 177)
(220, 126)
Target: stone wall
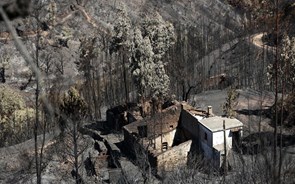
(173, 157)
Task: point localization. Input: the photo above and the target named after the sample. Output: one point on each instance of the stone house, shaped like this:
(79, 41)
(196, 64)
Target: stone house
(169, 138)
(158, 136)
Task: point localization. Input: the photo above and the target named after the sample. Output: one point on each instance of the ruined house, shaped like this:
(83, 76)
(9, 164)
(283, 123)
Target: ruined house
(157, 135)
(169, 137)
(122, 115)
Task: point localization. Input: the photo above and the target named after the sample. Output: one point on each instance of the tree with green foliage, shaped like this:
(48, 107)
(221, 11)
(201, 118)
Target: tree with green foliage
(73, 110)
(121, 31)
(150, 44)
(162, 36)
(73, 105)
(10, 101)
(230, 102)
(142, 65)
(286, 81)
(286, 68)
(121, 42)
(10, 104)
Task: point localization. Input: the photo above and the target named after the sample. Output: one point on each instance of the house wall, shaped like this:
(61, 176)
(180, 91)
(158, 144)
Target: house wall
(166, 137)
(218, 159)
(173, 157)
(206, 141)
(129, 140)
(189, 123)
(218, 138)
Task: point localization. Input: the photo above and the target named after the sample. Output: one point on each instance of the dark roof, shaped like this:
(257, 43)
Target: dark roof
(122, 108)
(160, 123)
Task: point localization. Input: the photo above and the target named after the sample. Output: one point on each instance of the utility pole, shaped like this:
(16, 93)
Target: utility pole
(225, 150)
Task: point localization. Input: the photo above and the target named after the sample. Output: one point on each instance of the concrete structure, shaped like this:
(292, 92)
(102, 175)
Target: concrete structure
(207, 131)
(212, 138)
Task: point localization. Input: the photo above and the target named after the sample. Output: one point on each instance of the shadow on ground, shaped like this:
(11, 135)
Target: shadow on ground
(257, 142)
(256, 112)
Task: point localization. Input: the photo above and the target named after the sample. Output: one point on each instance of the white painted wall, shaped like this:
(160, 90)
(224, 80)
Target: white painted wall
(166, 137)
(218, 138)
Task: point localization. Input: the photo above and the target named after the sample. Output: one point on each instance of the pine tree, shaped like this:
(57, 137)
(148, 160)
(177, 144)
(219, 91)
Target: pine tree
(230, 102)
(150, 44)
(162, 36)
(74, 110)
(121, 31)
(286, 68)
(288, 61)
(121, 42)
(142, 64)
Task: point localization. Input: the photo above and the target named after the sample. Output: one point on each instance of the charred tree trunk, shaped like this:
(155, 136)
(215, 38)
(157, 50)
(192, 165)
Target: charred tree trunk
(2, 75)
(275, 133)
(38, 159)
(125, 77)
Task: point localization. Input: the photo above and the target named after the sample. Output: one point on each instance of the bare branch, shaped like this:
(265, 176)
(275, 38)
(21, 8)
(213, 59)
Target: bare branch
(20, 45)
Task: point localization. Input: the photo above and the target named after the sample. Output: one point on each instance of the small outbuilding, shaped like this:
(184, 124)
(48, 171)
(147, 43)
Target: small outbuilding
(214, 136)
(218, 135)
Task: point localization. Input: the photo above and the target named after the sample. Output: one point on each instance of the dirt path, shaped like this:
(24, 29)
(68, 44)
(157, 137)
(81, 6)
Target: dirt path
(7, 152)
(257, 41)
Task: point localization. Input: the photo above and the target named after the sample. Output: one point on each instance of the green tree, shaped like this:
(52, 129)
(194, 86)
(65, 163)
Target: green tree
(11, 102)
(286, 81)
(121, 42)
(162, 36)
(73, 110)
(121, 31)
(150, 44)
(230, 102)
(286, 68)
(142, 64)
(73, 105)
